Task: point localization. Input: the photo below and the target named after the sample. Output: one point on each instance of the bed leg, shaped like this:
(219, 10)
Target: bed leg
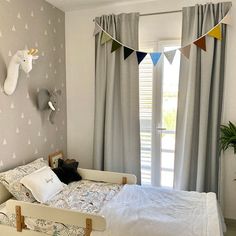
(20, 220)
(88, 229)
(124, 180)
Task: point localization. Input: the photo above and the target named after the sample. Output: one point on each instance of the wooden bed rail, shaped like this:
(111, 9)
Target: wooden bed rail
(107, 176)
(20, 220)
(24, 209)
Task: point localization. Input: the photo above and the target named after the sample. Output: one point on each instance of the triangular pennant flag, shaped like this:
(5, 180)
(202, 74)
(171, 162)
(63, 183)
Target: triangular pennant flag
(127, 52)
(105, 37)
(186, 50)
(155, 56)
(140, 56)
(227, 19)
(115, 45)
(170, 55)
(201, 43)
(97, 29)
(216, 32)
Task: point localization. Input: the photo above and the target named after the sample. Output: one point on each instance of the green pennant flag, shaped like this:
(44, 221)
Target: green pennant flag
(127, 52)
(115, 45)
(105, 38)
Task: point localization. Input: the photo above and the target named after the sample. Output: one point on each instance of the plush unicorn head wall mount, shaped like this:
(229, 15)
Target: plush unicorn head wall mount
(23, 59)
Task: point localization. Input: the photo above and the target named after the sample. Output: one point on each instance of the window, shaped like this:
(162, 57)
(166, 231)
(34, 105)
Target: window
(158, 110)
(145, 104)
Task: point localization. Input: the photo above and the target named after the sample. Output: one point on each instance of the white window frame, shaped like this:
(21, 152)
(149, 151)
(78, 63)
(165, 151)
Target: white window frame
(157, 102)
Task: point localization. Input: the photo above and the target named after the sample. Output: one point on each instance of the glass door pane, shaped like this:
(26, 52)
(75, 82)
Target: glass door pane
(170, 82)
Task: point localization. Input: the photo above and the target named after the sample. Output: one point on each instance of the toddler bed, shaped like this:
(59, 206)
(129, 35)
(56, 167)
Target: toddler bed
(101, 205)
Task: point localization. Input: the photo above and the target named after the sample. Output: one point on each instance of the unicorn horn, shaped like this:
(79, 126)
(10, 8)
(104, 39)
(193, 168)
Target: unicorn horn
(35, 51)
(32, 51)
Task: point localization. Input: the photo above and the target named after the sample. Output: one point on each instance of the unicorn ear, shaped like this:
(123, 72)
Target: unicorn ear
(35, 57)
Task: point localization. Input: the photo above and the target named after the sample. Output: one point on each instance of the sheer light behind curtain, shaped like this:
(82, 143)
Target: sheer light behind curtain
(117, 131)
(200, 101)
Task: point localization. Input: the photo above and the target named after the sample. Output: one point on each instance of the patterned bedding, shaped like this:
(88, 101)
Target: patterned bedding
(84, 196)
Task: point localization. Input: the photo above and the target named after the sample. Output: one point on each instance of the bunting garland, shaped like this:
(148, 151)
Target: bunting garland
(200, 42)
(140, 56)
(105, 37)
(97, 30)
(170, 55)
(155, 56)
(227, 19)
(216, 32)
(186, 51)
(127, 52)
(115, 45)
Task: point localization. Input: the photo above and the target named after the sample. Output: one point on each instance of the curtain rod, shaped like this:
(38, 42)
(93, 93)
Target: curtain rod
(158, 13)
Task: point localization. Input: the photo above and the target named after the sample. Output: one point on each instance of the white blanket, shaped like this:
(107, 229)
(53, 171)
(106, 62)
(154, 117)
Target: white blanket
(149, 211)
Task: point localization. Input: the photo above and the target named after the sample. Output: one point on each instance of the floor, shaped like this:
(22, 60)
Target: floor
(231, 227)
(231, 232)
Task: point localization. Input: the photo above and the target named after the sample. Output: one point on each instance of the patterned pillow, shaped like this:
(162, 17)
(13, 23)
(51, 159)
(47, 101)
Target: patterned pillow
(20, 192)
(11, 179)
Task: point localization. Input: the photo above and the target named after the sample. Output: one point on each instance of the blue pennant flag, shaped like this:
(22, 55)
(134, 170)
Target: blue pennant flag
(155, 57)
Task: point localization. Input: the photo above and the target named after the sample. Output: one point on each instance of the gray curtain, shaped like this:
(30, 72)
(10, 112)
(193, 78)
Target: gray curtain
(200, 101)
(116, 131)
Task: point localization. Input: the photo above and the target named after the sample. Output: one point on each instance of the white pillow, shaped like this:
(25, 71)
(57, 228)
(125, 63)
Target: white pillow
(11, 179)
(43, 184)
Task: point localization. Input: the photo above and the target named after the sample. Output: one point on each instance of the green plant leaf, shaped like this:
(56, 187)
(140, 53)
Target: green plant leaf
(228, 136)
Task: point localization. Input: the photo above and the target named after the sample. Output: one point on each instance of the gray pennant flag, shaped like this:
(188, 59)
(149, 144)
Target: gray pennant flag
(170, 55)
(97, 29)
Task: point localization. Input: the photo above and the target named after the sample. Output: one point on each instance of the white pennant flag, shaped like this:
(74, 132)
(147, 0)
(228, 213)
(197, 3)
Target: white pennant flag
(170, 55)
(97, 29)
(227, 19)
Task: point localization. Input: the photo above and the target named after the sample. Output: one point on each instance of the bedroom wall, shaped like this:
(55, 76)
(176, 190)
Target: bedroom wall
(25, 133)
(80, 78)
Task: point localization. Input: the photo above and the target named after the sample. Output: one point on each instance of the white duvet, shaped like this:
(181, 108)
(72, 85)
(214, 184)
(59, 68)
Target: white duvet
(149, 211)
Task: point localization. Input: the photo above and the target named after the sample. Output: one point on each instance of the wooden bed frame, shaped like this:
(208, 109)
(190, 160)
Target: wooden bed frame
(88, 221)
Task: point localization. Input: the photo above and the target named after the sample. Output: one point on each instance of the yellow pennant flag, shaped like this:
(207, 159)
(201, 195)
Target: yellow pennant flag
(216, 32)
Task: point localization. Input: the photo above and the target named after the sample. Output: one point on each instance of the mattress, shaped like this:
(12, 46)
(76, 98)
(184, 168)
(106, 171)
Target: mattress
(132, 210)
(149, 211)
(84, 196)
